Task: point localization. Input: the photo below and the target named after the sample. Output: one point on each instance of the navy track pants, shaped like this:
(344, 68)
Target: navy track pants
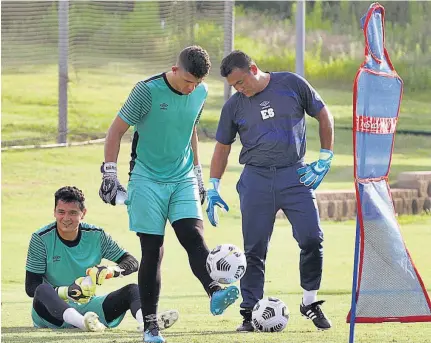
(263, 192)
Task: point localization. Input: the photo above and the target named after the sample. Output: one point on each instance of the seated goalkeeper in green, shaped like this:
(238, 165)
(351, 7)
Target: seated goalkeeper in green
(60, 256)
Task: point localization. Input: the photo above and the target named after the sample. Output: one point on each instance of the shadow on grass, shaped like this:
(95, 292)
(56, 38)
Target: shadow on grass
(198, 333)
(64, 335)
(215, 333)
(28, 334)
(18, 329)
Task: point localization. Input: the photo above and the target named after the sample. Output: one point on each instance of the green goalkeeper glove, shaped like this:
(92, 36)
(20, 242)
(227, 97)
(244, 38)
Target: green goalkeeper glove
(80, 291)
(98, 274)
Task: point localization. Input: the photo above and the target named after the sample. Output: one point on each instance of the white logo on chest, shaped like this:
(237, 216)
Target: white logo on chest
(266, 112)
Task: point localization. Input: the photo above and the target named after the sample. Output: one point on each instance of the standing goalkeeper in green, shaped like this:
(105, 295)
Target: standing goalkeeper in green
(165, 176)
(61, 254)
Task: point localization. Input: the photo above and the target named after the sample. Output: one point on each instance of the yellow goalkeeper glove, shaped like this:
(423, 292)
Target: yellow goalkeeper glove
(100, 273)
(80, 291)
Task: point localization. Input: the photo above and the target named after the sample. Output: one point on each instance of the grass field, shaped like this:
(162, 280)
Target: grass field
(29, 179)
(30, 105)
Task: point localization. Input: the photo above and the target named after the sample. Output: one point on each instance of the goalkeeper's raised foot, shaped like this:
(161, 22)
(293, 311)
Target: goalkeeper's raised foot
(92, 323)
(222, 299)
(164, 320)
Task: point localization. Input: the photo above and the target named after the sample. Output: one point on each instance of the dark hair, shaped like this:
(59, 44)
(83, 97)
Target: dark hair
(70, 194)
(195, 60)
(236, 59)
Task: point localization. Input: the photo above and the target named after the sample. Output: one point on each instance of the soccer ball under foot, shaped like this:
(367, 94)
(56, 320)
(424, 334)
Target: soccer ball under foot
(270, 315)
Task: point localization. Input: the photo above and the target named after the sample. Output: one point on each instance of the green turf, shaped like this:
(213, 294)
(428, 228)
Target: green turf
(30, 104)
(29, 179)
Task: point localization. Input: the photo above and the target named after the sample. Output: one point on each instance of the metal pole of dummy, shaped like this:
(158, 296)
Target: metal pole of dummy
(354, 285)
(63, 47)
(300, 37)
(229, 28)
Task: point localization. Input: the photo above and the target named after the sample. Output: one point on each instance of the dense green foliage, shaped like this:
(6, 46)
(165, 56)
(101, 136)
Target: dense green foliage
(334, 42)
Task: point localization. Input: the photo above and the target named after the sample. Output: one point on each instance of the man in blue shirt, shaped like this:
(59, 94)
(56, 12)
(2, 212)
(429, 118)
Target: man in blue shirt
(268, 114)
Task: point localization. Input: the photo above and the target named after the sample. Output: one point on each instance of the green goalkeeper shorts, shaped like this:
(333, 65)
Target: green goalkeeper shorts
(151, 204)
(94, 305)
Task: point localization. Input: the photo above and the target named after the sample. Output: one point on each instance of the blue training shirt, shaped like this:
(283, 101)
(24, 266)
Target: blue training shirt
(270, 124)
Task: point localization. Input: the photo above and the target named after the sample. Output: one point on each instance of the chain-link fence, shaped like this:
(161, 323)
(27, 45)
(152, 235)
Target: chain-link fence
(109, 45)
(112, 44)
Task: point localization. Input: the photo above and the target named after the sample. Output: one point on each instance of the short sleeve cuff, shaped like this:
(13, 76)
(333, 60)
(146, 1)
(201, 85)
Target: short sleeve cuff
(317, 107)
(34, 270)
(125, 119)
(224, 141)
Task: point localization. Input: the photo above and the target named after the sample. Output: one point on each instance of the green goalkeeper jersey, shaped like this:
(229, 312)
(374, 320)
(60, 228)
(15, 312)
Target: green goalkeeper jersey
(62, 262)
(163, 121)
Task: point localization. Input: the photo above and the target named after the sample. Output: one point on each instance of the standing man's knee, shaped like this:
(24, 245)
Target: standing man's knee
(256, 253)
(255, 260)
(309, 237)
(311, 243)
(150, 242)
(189, 232)
(152, 249)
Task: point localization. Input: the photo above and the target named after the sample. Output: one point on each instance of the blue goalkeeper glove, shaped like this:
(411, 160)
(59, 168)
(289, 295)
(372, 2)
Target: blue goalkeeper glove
(214, 199)
(313, 174)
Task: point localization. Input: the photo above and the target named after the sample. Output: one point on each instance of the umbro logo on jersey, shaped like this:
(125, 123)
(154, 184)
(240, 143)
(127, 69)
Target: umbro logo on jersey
(56, 258)
(266, 111)
(164, 106)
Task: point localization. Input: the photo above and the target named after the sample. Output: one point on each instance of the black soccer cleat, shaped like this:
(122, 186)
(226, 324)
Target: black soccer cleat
(246, 325)
(315, 313)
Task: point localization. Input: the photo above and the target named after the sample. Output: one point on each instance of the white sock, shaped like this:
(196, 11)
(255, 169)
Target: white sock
(140, 317)
(73, 317)
(309, 297)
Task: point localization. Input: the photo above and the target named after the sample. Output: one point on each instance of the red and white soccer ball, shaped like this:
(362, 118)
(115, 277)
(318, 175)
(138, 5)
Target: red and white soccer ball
(226, 263)
(270, 315)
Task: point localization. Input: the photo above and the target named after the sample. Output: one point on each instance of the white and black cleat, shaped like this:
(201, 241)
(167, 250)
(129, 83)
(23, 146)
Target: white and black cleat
(315, 313)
